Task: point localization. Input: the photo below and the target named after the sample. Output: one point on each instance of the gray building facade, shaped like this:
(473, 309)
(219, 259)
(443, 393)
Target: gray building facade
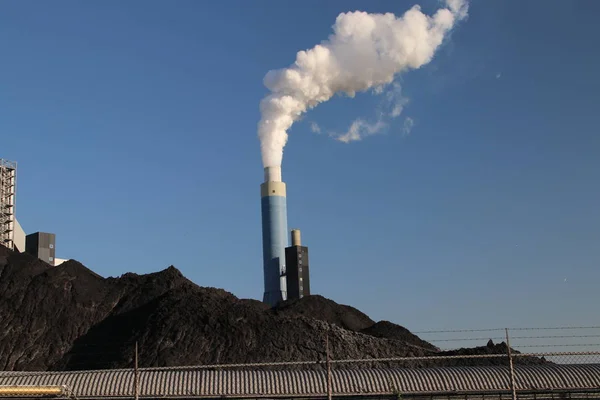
(297, 273)
(42, 245)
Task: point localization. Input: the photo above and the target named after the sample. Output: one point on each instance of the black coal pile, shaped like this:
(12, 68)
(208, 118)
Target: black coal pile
(70, 318)
(389, 330)
(318, 307)
(486, 355)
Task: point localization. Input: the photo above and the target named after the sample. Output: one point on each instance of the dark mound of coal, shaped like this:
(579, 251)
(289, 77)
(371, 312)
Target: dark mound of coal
(491, 354)
(318, 307)
(388, 330)
(70, 318)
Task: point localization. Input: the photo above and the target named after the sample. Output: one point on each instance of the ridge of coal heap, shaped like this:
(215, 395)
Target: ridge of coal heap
(70, 318)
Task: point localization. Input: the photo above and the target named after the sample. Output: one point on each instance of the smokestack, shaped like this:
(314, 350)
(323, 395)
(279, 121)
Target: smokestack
(273, 174)
(274, 235)
(296, 237)
(297, 276)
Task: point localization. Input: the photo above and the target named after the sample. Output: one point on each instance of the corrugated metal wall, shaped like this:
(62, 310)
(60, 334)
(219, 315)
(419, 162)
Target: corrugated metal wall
(247, 383)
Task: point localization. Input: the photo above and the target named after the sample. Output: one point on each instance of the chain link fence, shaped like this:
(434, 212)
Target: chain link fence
(558, 345)
(520, 363)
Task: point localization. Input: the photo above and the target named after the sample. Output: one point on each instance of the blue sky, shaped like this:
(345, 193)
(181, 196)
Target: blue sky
(134, 125)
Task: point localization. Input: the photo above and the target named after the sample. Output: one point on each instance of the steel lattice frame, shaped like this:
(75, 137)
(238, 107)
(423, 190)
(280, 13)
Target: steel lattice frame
(8, 177)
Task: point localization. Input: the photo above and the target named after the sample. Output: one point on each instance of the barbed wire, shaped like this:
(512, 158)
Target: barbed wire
(514, 337)
(270, 364)
(460, 331)
(503, 329)
(12, 374)
(562, 345)
(554, 328)
(554, 337)
(558, 354)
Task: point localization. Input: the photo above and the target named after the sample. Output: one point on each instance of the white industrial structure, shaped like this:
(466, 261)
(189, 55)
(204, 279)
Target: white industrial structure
(19, 237)
(12, 234)
(8, 181)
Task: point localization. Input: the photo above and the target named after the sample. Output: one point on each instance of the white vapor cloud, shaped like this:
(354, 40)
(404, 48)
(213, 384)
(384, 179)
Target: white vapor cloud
(396, 111)
(459, 8)
(365, 51)
(359, 129)
(378, 89)
(390, 107)
(314, 127)
(498, 75)
(396, 100)
(408, 125)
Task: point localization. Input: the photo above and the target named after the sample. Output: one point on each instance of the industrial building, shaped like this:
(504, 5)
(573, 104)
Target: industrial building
(12, 235)
(43, 246)
(8, 182)
(297, 273)
(274, 235)
(276, 255)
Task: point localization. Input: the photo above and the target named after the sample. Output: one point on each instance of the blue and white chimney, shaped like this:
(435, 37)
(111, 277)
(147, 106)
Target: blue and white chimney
(274, 235)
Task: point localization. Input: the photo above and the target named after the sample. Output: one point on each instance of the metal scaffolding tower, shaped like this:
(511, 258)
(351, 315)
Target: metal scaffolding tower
(8, 180)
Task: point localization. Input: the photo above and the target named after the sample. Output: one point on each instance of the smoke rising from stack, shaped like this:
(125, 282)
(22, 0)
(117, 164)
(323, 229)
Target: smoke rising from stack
(365, 51)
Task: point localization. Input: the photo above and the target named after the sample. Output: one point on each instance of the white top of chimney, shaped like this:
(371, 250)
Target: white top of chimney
(296, 237)
(273, 174)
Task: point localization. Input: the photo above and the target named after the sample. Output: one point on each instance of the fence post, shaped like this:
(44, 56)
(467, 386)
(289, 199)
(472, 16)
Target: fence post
(513, 388)
(329, 391)
(136, 378)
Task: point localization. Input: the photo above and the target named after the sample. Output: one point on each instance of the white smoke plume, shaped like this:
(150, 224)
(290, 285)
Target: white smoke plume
(397, 100)
(359, 129)
(315, 127)
(364, 52)
(408, 125)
